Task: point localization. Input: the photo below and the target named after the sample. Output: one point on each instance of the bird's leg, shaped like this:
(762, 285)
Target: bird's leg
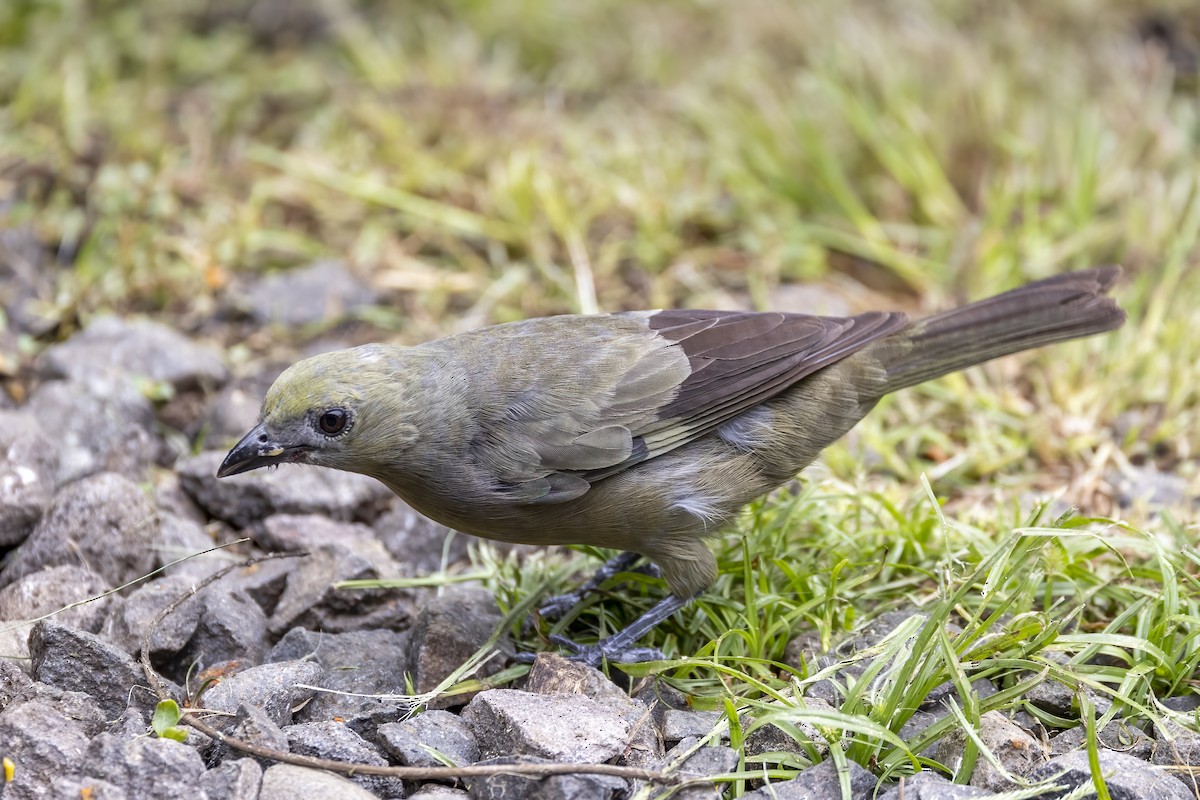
(560, 605)
(619, 647)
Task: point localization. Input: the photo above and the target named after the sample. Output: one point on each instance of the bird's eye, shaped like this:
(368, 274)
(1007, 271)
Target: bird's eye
(333, 421)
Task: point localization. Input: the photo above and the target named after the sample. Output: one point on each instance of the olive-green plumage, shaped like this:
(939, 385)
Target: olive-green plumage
(643, 431)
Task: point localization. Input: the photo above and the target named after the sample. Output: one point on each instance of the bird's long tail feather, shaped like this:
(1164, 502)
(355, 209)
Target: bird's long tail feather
(1056, 309)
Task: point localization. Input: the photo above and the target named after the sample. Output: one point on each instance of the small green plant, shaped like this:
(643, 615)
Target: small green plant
(166, 721)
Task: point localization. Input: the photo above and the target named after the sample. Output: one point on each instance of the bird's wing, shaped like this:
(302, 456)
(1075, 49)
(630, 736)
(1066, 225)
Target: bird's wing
(738, 360)
(585, 397)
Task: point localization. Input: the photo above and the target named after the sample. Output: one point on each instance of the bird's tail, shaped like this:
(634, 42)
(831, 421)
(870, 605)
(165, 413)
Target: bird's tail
(1056, 309)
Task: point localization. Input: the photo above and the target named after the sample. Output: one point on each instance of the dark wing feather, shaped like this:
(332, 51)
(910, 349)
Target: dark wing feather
(577, 399)
(739, 360)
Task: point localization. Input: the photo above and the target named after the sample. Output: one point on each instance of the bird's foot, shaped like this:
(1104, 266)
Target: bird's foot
(596, 654)
(619, 648)
(560, 605)
(555, 607)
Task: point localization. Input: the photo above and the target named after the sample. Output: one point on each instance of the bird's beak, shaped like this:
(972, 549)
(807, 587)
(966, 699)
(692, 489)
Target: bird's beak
(256, 449)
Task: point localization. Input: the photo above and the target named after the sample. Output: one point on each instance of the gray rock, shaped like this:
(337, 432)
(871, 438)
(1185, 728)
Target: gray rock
(78, 707)
(831, 691)
(1019, 752)
(172, 500)
(336, 551)
(771, 739)
(136, 348)
(335, 741)
(1115, 736)
(803, 650)
(1175, 745)
(15, 686)
(1184, 704)
(75, 660)
(289, 782)
(1148, 486)
(343, 651)
(937, 698)
(103, 424)
(184, 538)
(291, 489)
(130, 620)
(932, 786)
(28, 475)
(446, 633)
(368, 662)
(28, 277)
(44, 592)
(704, 763)
(275, 688)
(419, 544)
(819, 782)
(1030, 724)
(145, 767)
(231, 628)
(436, 791)
(235, 779)
(311, 599)
(300, 533)
(554, 787)
(553, 674)
(130, 725)
(410, 741)
(250, 724)
(104, 522)
(1053, 696)
(558, 727)
(678, 725)
(264, 582)
(878, 629)
(1127, 778)
(235, 408)
(367, 722)
(92, 788)
(919, 721)
(43, 744)
(659, 696)
(181, 417)
(322, 293)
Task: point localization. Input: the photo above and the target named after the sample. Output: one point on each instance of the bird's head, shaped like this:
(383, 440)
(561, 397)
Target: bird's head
(338, 409)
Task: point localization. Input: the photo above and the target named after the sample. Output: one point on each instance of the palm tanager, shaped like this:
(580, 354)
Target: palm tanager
(643, 431)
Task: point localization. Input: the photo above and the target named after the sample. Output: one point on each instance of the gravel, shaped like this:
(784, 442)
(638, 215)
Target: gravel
(277, 655)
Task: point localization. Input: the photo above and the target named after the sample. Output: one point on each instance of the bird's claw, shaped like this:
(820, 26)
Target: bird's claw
(555, 608)
(559, 605)
(595, 654)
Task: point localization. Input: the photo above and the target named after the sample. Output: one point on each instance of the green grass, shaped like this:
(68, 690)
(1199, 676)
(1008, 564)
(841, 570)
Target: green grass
(485, 161)
(1107, 609)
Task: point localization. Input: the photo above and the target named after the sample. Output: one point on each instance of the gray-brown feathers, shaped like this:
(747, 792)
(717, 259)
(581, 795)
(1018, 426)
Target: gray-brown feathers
(643, 431)
(1039, 313)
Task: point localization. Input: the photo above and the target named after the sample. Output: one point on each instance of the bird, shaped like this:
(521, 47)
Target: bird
(644, 431)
